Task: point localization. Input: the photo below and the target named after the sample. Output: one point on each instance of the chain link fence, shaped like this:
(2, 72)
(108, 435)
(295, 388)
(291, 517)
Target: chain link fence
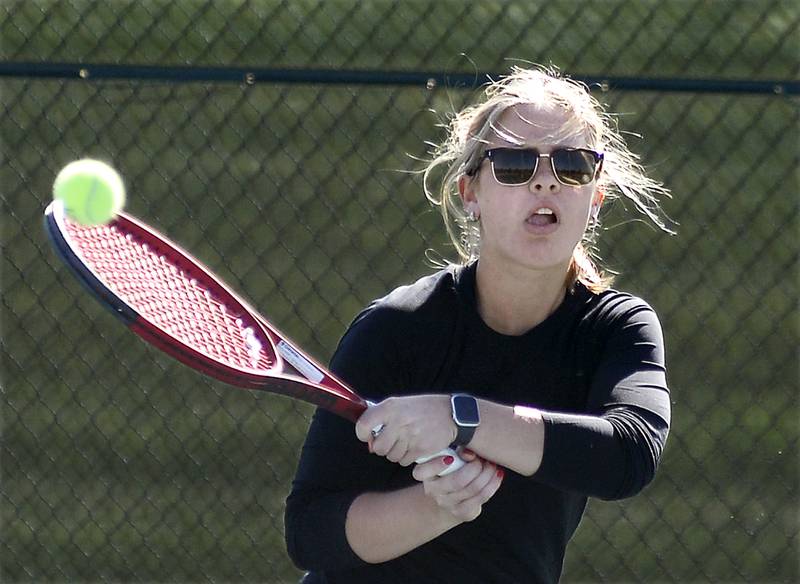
(119, 464)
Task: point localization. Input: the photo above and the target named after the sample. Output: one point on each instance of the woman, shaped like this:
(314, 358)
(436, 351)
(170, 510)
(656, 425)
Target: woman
(559, 380)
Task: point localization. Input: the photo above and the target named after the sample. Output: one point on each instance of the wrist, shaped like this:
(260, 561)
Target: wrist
(451, 423)
(466, 418)
(443, 518)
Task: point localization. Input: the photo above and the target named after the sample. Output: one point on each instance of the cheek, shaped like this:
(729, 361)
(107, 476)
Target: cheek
(495, 203)
(581, 208)
(500, 213)
(492, 222)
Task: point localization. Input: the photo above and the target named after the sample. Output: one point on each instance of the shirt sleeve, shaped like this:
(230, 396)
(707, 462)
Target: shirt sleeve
(612, 451)
(335, 467)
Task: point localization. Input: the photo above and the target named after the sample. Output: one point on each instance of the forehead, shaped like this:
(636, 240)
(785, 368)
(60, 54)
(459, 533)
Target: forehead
(533, 125)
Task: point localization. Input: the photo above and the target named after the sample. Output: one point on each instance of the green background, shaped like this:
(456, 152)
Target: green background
(120, 465)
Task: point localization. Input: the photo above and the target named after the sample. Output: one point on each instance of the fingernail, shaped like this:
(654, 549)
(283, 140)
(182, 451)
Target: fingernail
(369, 446)
(500, 473)
(469, 452)
(448, 460)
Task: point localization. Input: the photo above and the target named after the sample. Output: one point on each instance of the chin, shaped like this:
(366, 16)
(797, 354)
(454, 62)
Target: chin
(546, 257)
(541, 254)
(542, 262)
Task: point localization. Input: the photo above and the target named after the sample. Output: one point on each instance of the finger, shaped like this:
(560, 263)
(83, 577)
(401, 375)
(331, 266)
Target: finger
(488, 472)
(397, 451)
(433, 468)
(370, 420)
(466, 503)
(384, 443)
(467, 455)
(473, 487)
(470, 508)
(364, 429)
(465, 475)
(447, 489)
(420, 456)
(489, 490)
(408, 459)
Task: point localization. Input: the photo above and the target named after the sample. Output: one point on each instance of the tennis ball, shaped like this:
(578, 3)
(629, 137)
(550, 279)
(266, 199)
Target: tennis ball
(91, 190)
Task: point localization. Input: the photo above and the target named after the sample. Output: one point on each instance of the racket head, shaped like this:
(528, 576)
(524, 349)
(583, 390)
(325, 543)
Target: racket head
(178, 305)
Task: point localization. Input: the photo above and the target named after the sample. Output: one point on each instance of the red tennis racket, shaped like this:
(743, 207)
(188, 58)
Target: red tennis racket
(176, 304)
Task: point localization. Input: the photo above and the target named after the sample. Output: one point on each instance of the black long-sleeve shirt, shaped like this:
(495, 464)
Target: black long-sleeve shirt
(595, 368)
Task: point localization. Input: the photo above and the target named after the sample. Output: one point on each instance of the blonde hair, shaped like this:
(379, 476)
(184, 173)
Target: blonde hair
(470, 130)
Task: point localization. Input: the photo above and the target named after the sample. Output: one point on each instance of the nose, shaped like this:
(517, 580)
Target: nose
(548, 187)
(542, 185)
(544, 181)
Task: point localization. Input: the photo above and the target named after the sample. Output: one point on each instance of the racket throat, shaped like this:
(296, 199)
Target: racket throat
(303, 366)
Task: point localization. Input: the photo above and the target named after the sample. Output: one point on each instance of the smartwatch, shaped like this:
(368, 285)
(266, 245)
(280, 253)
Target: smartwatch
(466, 417)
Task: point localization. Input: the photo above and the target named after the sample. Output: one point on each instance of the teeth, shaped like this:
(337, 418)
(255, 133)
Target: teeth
(544, 211)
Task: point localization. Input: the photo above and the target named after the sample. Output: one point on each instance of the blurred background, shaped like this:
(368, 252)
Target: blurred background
(249, 142)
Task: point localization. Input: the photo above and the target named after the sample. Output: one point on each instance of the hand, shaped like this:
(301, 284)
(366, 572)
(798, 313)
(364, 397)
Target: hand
(412, 427)
(461, 494)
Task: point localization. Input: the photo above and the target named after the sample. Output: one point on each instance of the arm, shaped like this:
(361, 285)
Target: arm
(340, 515)
(613, 455)
(348, 508)
(610, 452)
(512, 437)
(384, 526)
(335, 468)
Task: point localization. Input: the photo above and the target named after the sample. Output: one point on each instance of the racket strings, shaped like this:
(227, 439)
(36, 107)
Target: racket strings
(167, 296)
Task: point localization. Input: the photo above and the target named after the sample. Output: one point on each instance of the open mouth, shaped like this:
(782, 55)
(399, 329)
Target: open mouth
(542, 217)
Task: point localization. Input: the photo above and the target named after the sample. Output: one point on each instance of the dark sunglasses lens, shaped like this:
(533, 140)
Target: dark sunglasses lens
(574, 167)
(513, 167)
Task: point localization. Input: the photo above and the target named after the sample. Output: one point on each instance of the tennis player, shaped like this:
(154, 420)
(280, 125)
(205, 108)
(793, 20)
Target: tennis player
(551, 382)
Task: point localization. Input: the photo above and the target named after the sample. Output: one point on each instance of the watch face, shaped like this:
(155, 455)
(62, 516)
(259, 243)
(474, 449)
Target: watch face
(466, 410)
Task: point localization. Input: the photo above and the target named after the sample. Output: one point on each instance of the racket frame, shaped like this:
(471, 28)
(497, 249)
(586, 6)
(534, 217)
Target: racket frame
(328, 392)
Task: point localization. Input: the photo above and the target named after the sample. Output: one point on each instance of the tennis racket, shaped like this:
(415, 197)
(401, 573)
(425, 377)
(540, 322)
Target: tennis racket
(177, 305)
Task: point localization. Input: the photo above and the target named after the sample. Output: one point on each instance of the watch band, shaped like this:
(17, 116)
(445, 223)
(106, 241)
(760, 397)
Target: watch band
(464, 436)
(466, 417)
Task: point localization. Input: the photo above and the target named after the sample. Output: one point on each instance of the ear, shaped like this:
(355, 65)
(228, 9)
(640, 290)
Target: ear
(463, 185)
(469, 198)
(597, 201)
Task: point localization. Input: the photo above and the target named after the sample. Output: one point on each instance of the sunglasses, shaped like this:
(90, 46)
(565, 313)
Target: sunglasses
(517, 166)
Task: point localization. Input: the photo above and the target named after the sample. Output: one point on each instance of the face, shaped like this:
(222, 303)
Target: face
(536, 225)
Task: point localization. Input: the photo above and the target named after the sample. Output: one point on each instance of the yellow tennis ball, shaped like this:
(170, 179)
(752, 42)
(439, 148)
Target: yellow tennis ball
(92, 191)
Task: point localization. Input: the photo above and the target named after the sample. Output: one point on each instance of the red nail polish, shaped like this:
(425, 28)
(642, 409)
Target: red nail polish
(448, 460)
(500, 473)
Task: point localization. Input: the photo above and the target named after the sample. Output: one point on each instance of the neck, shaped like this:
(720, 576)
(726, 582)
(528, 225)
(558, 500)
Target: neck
(513, 299)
